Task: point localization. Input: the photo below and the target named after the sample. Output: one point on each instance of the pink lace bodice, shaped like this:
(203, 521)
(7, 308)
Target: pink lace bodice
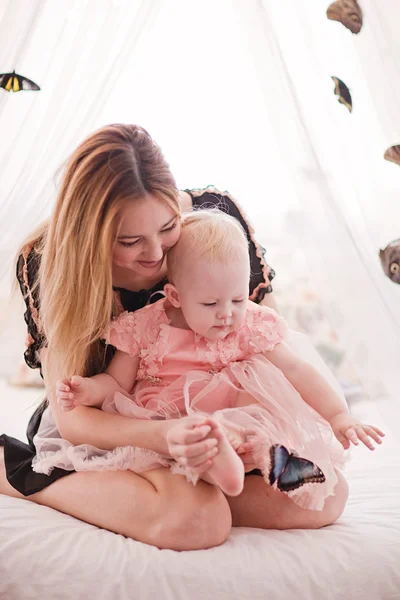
(167, 352)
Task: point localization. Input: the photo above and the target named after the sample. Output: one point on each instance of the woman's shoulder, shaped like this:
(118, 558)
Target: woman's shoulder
(27, 271)
(211, 197)
(208, 197)
(261, 272)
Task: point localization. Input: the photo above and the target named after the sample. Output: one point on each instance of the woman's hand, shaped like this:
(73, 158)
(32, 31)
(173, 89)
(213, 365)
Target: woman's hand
(348, 429)
(73, 391)
(245, 453)
(191, 443)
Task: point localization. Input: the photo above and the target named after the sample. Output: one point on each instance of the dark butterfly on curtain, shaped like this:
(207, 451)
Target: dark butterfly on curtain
(11, 82)
(290, 471)
(347, 12)
(390, 260)
(392, 154)
(343, 92)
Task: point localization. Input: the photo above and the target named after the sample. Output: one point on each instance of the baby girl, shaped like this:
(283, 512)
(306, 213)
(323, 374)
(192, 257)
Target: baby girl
(206, 349)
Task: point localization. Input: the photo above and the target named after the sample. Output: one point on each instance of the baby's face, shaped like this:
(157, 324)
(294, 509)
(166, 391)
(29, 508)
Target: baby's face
(213, 297)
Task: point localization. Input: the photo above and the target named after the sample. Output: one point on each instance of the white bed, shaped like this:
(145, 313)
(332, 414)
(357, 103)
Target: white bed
(50, 556)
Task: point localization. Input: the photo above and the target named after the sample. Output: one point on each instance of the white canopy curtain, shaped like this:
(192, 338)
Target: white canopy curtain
(345, 201)
(238, 94)
(75, 50)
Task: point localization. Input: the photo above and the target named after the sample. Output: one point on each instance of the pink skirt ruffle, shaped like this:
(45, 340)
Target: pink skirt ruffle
(278, 416)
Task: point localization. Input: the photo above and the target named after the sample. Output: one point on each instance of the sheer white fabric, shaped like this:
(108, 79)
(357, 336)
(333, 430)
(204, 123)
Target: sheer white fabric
(238, 94)
(343, 190)
(75, 50)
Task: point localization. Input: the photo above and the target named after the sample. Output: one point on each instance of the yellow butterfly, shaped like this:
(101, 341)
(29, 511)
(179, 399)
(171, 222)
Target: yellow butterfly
(11, 82)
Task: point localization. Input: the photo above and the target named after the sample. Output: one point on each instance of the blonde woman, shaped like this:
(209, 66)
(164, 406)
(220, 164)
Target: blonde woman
(102, 252)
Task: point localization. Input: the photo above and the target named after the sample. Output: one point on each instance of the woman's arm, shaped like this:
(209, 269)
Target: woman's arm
(87, 425)
(184, 439)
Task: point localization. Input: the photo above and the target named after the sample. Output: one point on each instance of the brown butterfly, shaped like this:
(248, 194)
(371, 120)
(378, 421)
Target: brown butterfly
(392, 154)
(343, 92)
(390, 260)
(347, 12)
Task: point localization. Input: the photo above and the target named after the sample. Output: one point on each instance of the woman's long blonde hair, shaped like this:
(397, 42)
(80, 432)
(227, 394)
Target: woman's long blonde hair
(114, 164)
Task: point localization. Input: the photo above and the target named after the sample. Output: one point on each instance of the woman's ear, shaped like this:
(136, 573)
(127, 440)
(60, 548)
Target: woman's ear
(172, 294)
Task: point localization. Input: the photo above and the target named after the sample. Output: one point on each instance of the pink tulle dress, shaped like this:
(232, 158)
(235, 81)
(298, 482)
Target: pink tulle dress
(181, 373)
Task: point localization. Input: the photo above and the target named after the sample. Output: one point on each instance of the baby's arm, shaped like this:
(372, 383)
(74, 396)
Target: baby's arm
(316, 391)
(92, 391)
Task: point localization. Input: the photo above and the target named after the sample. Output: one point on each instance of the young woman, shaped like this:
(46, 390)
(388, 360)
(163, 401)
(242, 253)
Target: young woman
(103, 251)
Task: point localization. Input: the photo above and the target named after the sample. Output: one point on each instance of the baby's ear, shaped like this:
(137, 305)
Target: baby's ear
(172, 294)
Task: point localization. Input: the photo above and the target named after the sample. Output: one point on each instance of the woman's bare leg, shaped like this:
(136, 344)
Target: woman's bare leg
(156, 507)
(260, 505)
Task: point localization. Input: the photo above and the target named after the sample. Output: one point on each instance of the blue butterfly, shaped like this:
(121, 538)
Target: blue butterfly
(291, 471)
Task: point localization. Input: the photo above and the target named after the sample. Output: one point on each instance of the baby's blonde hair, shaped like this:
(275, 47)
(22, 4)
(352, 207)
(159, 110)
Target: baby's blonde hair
(210, 234)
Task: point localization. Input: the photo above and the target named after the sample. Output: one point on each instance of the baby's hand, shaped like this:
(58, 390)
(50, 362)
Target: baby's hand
(245, 449)
(73, 391)
(348, 429)
(245, 453)
(189, 443)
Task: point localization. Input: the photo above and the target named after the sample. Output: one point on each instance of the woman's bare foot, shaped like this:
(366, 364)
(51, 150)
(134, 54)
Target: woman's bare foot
(227, 470)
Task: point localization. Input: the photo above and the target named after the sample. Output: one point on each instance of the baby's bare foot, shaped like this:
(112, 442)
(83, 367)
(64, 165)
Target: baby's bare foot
(227, 470)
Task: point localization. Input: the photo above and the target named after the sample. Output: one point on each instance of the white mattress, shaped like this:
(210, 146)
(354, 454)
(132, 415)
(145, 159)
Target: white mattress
(47, 555)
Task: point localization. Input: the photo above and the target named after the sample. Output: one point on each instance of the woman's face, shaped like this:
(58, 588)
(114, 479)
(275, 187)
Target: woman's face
(146, 229)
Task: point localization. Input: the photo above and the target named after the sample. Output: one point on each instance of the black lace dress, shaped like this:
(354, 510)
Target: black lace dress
(18, 455)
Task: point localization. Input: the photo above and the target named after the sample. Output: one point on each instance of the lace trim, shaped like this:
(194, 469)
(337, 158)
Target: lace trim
(120, 459)
(34, 310)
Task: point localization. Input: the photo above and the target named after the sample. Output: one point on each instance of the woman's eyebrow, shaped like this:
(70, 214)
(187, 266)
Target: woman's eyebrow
(130, 237)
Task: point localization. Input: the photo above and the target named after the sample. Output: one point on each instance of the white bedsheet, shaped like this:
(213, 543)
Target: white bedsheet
(50, 556)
